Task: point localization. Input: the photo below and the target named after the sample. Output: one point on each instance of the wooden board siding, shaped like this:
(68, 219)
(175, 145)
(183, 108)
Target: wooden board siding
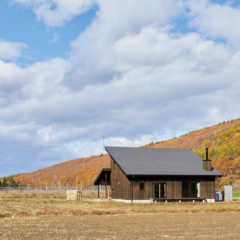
(207, 189)
(128, 188)
(120, 185)
(173, 186)
(141, 194)
(174, 189)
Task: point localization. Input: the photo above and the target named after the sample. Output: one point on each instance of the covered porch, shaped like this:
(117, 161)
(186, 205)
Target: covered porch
(104, 179)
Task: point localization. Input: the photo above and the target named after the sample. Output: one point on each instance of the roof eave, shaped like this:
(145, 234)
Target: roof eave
(176, 175)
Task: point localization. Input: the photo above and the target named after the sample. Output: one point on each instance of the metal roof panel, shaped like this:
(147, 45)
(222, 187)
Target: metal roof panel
(159, 161)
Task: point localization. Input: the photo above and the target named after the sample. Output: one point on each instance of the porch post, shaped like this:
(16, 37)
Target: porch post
(98, 192)
(106, 185)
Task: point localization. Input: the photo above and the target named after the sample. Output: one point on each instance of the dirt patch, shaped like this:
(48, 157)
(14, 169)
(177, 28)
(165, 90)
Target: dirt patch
(34, 218)
(199, 226)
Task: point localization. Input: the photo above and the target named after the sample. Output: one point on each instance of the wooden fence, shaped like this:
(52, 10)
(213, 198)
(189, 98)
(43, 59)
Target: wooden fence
(91, 192)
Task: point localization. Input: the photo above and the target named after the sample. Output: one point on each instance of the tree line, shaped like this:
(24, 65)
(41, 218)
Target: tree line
(8, 182)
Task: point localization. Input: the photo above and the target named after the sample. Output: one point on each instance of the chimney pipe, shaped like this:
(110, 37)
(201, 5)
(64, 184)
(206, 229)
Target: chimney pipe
(206, 164)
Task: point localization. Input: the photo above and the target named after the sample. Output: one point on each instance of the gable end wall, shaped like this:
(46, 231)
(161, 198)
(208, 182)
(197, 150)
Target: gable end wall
(120, 184)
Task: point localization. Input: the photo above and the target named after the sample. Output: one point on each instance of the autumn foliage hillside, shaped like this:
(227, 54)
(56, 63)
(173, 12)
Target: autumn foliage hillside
(77, 172)
(222, 139)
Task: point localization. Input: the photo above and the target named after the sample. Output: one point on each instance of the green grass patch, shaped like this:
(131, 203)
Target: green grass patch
(235, 194)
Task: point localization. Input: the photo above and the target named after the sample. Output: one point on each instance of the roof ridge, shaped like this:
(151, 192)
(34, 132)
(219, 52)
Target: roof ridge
(143, 148)
(158, 161)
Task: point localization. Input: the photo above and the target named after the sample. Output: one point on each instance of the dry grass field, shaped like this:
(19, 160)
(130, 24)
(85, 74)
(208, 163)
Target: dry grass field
(50, 217)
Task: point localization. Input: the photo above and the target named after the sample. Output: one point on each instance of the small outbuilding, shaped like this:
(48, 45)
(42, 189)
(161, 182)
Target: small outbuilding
(158, 174)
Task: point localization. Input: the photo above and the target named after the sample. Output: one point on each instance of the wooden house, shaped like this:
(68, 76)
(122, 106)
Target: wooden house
(148, 174)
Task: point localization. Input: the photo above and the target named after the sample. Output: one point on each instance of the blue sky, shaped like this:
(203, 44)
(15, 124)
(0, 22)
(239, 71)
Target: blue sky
(134, 72)
(19, 24)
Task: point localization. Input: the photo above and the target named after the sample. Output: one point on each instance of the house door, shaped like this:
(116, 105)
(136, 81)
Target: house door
(190, 189)
(159, 190)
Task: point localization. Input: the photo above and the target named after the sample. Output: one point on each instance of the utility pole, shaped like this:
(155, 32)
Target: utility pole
(103, 142)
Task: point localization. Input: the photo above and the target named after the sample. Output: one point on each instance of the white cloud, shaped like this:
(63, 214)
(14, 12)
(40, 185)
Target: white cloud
(94, 49)
(56, 12)
(154, 86)
(11, 50)
(79, 148)
(129, 78)
(123, 17)
(216, 20)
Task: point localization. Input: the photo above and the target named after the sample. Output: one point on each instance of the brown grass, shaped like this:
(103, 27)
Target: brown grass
(32, 194)
(199, 226)
(11, 206)
(55, 218)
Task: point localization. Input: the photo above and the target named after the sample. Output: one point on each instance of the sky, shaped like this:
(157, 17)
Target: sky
(79, 74)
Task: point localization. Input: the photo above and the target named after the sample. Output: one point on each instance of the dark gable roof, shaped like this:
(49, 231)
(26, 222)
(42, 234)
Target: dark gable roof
(101, 176)
(159, 161)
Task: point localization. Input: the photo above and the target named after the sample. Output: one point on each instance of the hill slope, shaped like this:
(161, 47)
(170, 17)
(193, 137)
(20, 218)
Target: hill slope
(80, 171)
(222, 139)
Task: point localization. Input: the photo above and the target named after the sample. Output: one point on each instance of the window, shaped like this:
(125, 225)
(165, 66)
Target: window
(141, 186)
(190, 189)
(160, 190)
